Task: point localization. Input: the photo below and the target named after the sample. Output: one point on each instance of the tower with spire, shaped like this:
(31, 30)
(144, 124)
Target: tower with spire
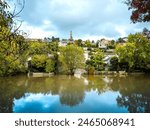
(71, 38)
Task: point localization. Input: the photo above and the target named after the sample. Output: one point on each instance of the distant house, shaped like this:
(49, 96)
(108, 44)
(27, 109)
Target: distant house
(122, 41)
(107, 58)
(86, 53)
(33, 39)
(103, 44)
(125, 39)
(146, 32)
(63, 42)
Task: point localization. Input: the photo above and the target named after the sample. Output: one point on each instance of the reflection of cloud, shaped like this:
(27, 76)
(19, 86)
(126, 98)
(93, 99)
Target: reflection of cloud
(107, 80)
(105, 102)
(86, 82)
(46, 103)
(36, 103)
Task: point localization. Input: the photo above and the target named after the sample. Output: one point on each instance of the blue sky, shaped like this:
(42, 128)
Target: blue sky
(88, 19)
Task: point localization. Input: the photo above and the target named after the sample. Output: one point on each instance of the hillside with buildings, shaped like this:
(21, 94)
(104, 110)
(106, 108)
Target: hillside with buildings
(100, 55)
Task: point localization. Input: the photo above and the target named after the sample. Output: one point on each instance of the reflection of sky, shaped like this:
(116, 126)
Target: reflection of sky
(36, 103)
(105, 102)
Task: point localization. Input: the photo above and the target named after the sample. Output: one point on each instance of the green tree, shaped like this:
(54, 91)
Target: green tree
(13, 47)
(39, 62)
(37, 47)
(147, 59)
(126, 54)
(142, 51)
(96, 60)
(87, 44)
(44, 56)
(42, 63)
(72, 58)
(114, 63)
(78, 42)
(13, 54)
(53, 49)
(138, 39)
(112, 45)
(50, 66)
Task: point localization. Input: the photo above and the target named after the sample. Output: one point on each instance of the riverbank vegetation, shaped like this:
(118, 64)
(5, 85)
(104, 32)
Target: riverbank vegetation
(13, 46)
(134, 55)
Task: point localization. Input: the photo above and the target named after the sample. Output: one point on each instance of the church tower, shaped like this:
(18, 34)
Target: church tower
(71, 38)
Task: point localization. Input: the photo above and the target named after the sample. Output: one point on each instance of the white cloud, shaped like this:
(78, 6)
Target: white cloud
(37, 32)
(90, 19)
(121, 30)
(46, 22)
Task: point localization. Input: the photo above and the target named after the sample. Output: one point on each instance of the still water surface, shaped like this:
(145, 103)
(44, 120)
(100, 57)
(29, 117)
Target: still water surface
(96, 94)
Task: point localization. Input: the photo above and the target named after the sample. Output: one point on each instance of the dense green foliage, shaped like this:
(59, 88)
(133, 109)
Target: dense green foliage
(71, 57)
(88, 44)
(44, 56)
(126, 54)
(96, 61)
(134, 55)
(114, 63)
(13, 47)
(112, 45)
(78, 42)
(37, 47)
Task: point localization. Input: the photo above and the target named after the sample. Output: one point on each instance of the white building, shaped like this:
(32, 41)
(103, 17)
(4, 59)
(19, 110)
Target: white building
(63, 42)
(86, 54)
(103, 43)
(107, 58)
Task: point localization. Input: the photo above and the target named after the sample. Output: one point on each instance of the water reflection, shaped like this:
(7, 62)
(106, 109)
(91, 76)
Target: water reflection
(10, 88)
(75, 94)
(136, 98)
(36, 103)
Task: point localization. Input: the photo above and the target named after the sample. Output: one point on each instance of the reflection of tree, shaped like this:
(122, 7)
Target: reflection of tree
(134, 91)
(135, 102)
(10, 89)
(42, 85)
(72, 91)
(135, 95)
(99, 83)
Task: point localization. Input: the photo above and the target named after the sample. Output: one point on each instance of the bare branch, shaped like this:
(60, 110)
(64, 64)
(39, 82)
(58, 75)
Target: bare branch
(23, 5)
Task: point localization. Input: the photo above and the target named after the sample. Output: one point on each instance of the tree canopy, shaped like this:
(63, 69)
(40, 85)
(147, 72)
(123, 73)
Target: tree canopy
(12, 42)
(135, 54)
(140, 10)
(72, 58)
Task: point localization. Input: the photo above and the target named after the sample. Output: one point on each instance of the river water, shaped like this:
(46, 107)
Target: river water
(64, 94)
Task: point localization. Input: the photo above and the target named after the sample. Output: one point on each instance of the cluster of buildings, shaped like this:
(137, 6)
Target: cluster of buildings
(102, 44)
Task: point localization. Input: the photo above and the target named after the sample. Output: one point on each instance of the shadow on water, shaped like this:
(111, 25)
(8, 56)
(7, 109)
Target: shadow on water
(75, 94)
